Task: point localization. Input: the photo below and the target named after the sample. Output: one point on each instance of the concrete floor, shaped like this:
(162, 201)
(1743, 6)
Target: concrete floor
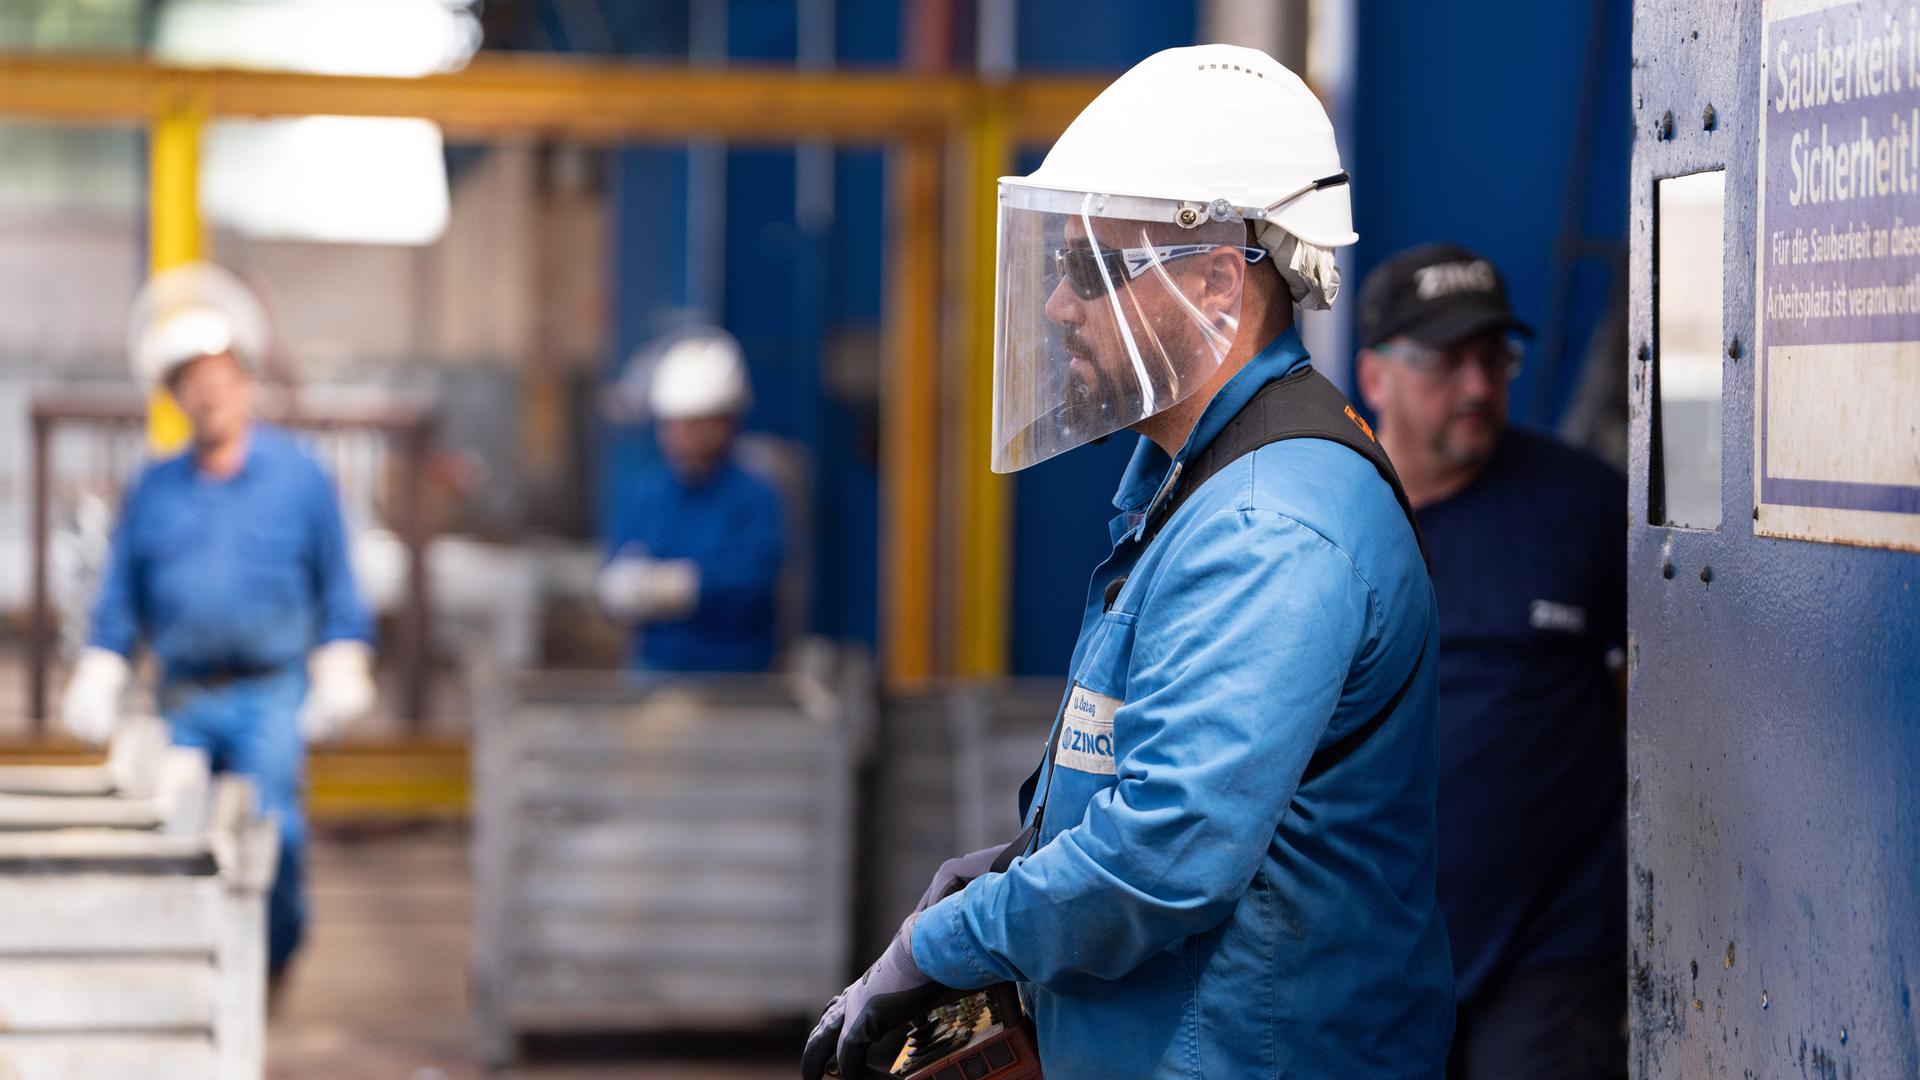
(380, 990)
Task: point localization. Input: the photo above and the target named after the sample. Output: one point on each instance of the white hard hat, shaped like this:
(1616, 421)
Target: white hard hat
(699, 373)
(1122, 261)
(193, 311)
(1220, 126)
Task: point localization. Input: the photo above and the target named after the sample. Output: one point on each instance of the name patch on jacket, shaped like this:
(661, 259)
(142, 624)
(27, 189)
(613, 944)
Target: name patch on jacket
(1086, 732)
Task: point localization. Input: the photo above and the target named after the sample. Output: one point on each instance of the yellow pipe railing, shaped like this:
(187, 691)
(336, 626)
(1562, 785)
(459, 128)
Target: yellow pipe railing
(589, 100)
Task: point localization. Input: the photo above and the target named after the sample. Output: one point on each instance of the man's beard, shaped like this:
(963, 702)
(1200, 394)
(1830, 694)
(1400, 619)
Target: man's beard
(1096, 400)
(1460, 453)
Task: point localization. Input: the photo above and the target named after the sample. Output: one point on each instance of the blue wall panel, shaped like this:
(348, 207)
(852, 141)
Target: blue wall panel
(1467, 119)
(1101, 35)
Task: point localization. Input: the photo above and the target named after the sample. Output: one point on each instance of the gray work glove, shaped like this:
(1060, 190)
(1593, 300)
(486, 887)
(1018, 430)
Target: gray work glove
(954, 874)
(892, 992)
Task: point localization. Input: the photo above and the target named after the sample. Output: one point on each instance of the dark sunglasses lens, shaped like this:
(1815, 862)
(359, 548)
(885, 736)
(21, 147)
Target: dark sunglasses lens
(1082, 269)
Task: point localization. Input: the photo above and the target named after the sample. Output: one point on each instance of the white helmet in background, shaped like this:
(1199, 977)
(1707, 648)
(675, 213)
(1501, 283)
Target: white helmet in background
(1122, 258)
(192, 311)
(699, 373)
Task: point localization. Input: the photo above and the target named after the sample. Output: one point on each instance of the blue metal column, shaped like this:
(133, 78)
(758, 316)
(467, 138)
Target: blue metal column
(1774, 799)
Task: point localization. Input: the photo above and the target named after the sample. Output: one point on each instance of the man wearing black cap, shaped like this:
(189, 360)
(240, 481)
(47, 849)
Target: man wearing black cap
(1528, 540)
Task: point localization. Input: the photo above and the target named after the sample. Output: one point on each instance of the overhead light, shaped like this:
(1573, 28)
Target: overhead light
(325, 37)
(326, 178)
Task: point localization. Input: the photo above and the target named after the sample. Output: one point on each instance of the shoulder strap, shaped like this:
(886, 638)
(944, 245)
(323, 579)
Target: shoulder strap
(1300, 406)
(1303, 405)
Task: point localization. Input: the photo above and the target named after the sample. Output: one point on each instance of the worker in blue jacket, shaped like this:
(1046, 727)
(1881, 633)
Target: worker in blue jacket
(230, 561)
(1229, 862)
(695, 552)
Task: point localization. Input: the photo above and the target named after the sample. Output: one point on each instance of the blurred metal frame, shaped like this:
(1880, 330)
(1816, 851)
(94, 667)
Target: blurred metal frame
(924, 117)
(409, 431)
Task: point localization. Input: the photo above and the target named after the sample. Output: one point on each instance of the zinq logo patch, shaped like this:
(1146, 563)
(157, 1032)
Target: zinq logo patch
(1086, 732)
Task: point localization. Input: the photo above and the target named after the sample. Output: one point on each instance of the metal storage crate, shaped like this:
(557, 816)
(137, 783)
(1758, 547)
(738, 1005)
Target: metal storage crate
(951, 763)
(999, 735)
(673, 853)
(132, 918)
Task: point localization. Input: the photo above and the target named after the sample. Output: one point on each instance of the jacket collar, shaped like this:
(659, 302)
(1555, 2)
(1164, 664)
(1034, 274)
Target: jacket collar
(1151, 473)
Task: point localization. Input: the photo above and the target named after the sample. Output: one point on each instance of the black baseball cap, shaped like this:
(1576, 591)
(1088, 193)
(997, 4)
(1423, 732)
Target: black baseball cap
(1436, 294)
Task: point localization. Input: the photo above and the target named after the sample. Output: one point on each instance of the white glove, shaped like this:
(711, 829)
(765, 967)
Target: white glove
(339, 688)
(638, 589)
(90, 710)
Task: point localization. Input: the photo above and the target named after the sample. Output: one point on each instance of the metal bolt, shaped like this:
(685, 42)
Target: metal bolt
(1733, 349)
(1188, 217)
(1666, 570)
(1665, 128)
(1708, 118)
(1706, 574)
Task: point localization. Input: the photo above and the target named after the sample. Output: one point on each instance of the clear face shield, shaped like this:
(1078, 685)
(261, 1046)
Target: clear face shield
(1108, 309)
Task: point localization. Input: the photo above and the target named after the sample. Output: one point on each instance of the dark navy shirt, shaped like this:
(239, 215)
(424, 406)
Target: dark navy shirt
(242, 573)
(1529, 567)
(730, 527)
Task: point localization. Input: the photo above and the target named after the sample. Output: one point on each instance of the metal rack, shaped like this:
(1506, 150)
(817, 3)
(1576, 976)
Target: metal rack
(653, 853)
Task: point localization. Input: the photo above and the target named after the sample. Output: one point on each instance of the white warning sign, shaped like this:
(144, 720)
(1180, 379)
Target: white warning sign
(1837, 395)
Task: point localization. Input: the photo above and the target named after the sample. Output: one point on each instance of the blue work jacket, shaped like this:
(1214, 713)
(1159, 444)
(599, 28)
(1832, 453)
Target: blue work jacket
(1192, 909)
(230, 575)
(729, 526)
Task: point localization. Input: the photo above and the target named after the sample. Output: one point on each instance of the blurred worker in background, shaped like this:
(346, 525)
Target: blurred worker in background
(1528, 538)
(695, 552)
(230, 561)
(1228, 866)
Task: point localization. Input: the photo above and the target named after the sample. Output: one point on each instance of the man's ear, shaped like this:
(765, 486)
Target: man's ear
(1370, 377)
(1224, 281)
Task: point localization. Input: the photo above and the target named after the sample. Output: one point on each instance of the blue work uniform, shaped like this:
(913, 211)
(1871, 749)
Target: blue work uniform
(729, 525)
(1530, 566)
(1192, 908)
(232, 582)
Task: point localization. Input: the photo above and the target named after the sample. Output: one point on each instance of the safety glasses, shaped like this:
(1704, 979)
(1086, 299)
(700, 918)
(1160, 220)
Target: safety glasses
(1498, 361)
(1088, 272)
